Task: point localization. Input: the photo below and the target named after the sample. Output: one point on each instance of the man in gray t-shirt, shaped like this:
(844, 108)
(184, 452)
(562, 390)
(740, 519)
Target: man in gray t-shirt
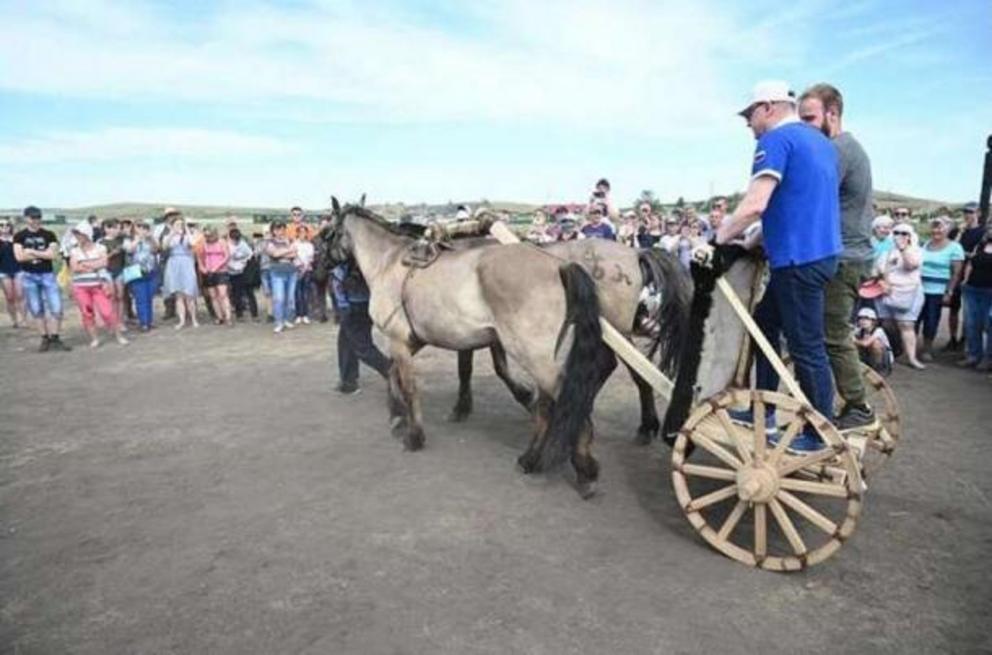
(821, 106)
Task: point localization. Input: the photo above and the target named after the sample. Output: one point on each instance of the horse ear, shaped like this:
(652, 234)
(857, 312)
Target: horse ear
(361, 202)
(335, 206)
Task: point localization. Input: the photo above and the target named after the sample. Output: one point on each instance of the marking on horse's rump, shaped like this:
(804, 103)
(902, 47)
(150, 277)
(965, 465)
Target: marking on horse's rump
(621, 276)
(597, 271)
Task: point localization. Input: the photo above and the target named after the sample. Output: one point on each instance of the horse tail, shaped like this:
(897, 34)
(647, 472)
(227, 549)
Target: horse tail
(580, 377)
(665, 278)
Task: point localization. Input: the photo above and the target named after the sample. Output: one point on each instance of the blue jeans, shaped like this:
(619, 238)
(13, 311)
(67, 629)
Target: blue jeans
(929, 320)
(143, 290)
(793, 305)
(977, 324)
(42, 293)
(283, 295)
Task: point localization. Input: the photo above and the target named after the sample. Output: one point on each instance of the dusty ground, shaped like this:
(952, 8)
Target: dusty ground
(207, 492)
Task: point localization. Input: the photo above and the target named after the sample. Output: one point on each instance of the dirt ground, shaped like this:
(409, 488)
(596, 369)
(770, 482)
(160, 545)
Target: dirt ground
(207, 492)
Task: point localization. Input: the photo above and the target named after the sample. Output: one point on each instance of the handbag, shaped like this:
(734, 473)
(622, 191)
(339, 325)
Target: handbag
(132, 272)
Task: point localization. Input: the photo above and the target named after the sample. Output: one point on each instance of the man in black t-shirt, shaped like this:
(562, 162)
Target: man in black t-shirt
(969, 236)
(35, 249)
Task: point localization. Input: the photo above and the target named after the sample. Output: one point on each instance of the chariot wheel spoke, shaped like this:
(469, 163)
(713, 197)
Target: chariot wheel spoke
(797, 463)
(807, 512)
(717, 451)
(732, 520)
(791, 431)
(760, 531)
(816, 488)
(711, 472)
(758, 409)
(742, 450)
(788, 529)
(712, 498)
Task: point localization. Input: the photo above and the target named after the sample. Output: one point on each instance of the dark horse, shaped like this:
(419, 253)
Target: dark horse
(544, 312)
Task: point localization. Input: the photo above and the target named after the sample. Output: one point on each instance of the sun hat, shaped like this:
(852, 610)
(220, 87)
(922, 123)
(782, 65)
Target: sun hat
(867, 312)
(769, 91)
(83, 227)
(882, 220)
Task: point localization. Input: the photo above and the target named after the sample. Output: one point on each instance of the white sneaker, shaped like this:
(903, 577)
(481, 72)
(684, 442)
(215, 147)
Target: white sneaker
(298, 320)
(278, 328)
(306, 320)
(288, 325)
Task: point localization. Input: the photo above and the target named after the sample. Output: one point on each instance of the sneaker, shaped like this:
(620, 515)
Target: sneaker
(46, 343)
(288, 325)
(967, 362)
(278, 328)
(306, 320)
(55, 343)
(984, 366)
(806, 441)
(746, 417)
(299, 319)
(348, 390)
(853, 417)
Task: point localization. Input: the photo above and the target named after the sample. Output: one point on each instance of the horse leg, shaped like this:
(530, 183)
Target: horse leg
(521, 392)
(586, 466)
(649, 415)
(413, 438)
(463, 406)
(398, 409)
(530, 461)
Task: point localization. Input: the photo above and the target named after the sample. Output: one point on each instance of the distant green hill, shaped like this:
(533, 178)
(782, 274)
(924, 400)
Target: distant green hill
(884, 199)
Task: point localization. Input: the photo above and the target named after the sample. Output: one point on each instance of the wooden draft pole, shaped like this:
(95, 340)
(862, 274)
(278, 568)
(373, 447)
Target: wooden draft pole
(983, 197)
(612, 337)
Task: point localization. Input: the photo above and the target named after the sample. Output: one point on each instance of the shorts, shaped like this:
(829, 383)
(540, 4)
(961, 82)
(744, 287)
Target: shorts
(43, 295)
(9, 276)
(215, 279)
(906, 316)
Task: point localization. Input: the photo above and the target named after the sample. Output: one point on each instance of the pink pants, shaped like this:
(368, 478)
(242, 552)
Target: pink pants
(91, 299)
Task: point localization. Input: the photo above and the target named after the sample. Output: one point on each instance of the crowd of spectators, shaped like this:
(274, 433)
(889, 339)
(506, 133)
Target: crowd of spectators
(114, 269)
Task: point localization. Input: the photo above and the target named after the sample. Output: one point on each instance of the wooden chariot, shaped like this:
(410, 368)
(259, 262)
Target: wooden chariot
(752, 498)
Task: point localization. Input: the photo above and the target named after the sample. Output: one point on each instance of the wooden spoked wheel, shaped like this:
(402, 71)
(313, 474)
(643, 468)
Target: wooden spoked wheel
(875, 446)
(762, 504)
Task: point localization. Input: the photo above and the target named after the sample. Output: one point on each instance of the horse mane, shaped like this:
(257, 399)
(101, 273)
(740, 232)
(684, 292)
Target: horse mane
(691, 353)
(381, 221)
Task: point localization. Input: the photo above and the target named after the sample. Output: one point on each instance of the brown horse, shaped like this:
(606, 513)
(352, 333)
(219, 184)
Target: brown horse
(542, 311)
(597, 257)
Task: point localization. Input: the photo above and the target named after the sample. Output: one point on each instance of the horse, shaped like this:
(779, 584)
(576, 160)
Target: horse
(596, 256)
(544, 312)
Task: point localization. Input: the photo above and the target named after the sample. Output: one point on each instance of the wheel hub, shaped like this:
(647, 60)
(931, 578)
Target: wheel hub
(757, 483)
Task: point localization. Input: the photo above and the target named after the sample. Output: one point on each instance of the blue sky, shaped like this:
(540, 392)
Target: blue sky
(278, 103)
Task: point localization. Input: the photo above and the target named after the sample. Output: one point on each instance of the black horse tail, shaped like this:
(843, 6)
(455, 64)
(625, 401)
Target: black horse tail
(664, 275)
(580, 377)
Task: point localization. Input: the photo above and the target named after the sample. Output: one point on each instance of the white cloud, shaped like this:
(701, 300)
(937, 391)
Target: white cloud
(136, 143)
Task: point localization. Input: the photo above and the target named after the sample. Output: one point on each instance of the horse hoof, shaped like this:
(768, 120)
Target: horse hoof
(458, 415)
(529, 463)
(414, 440)
(644, 437)
(587, 490)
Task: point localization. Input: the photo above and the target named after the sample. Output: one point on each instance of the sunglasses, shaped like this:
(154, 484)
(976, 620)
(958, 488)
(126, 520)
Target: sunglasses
(901, 234)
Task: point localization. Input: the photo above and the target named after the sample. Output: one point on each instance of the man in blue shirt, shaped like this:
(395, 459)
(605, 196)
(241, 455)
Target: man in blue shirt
(793, 192)
(355, 344)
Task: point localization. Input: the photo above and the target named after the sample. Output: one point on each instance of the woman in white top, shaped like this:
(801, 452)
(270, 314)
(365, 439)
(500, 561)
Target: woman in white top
(899, 271)
(88, 263)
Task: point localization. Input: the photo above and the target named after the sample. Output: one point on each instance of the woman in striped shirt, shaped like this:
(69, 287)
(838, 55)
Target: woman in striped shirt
(88, 263)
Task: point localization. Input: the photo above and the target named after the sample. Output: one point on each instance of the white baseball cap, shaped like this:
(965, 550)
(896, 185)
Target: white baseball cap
(769, 91)
(867, 312)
